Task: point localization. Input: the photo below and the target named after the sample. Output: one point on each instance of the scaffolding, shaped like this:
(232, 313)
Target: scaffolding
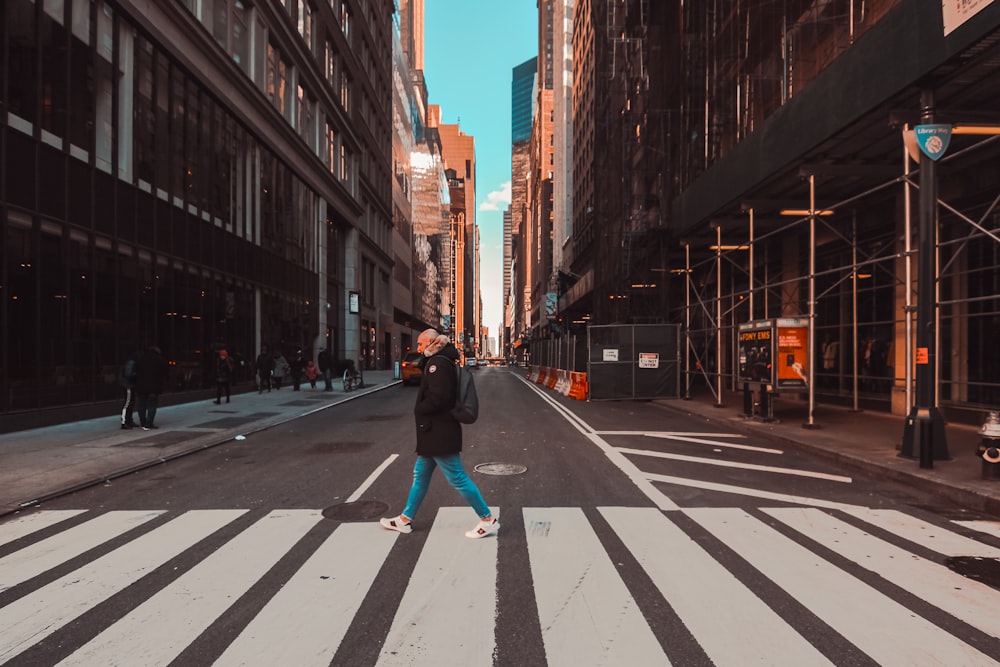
(853, 281)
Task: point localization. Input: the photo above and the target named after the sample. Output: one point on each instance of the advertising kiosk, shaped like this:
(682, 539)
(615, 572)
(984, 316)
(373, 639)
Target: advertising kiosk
(773, 355)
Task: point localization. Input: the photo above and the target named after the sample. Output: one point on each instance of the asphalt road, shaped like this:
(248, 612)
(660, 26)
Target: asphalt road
(630, 535)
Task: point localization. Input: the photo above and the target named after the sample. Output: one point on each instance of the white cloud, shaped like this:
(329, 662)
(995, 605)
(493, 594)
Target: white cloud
(496, 198)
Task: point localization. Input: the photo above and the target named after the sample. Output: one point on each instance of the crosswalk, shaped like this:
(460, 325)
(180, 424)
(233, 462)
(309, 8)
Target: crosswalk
(778, 585)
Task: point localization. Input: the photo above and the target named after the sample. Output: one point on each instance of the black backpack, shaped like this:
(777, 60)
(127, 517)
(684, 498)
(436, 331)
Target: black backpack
(466, 408)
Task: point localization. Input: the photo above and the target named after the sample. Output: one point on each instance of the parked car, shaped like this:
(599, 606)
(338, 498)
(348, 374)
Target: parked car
(410, 369)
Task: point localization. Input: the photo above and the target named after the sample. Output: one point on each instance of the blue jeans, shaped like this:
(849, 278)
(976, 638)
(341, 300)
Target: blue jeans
(451, 467)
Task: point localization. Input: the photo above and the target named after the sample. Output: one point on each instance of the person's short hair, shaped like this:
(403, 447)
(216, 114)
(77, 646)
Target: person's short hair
(428, 335)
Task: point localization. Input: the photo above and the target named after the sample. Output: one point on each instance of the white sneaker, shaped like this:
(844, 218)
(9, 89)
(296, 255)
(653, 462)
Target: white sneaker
(484, 528)
(396, 524)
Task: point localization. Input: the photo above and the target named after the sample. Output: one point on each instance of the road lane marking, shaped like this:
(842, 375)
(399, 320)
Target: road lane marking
(708, 597)
(305, 622)
(32, 522)
(448, 610)
(587, 615)
(30, 619)
(746, 491)
(156, 631)
(638, 478)
(70, 543)
(697, 439)
(371, 478)
(887, 631)
(971, 601)
(736, 464)
(715, 443)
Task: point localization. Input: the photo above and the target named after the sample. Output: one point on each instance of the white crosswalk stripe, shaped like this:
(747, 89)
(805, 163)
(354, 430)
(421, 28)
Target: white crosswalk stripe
(881, 627)
(311, 613)
(450, 601)
(665, 551)
(17, 528)
(158, 629)
(975, 603)
(22, 565)
(584, 608)
(585, 603)
(32, 618)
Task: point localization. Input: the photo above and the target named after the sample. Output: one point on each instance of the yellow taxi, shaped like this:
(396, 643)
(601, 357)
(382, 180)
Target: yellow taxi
(410, 368)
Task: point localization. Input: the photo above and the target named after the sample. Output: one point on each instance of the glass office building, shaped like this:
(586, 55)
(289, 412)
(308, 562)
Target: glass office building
(202, 174)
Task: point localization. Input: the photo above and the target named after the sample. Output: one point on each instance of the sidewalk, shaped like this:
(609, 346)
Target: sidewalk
(865, 441)
(46, 462)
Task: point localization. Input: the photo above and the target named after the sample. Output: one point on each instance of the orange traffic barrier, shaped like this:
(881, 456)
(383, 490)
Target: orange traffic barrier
(578, 387)
(553, 376)
(543, 372)
(564, 383)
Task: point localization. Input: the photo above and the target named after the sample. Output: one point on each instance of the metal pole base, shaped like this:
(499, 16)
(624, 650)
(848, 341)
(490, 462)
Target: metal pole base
(924, 437)
(766, 405)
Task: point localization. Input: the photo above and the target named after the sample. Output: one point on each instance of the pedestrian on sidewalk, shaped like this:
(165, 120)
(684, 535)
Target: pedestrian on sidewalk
(150, 376)
(311, 373)
(439, 438)
(127, 381)
(325, 361)
(223, 376)
(280, 369)
(263, 367)
(298, 367)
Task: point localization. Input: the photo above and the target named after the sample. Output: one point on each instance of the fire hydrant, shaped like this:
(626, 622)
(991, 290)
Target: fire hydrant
(989, 446)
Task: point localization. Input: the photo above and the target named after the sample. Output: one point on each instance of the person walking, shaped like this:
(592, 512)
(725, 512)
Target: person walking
(325, 362)
(280, 369)
(263, 368)
(150, 375)
(298, 367)
(439, 438)
(311, 373)
(127, 381)
(223, 376)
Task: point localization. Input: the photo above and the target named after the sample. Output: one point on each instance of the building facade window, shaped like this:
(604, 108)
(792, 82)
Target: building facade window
(345, 91)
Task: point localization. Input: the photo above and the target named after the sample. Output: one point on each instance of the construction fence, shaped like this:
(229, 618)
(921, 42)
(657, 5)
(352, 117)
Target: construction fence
(613, 362)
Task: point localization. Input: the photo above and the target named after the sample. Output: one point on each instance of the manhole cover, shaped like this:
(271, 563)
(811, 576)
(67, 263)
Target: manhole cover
(985, 570)
(500, 468)
(362, 510)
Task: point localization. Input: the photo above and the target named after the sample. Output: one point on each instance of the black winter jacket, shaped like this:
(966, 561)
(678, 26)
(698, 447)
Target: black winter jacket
(438, 433)
(150, 371)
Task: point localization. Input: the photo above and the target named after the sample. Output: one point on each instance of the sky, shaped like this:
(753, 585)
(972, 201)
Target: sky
(471, 48)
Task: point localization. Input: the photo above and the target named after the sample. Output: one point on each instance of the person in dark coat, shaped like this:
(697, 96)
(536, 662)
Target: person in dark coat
(223, 376)
(325, 362)
(297, 367)
(127, 381)
(263, 368)
(150, 376)
(439, 438)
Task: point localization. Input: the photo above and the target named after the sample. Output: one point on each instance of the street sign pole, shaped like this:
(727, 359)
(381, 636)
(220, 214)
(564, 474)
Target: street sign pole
(924, 431)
